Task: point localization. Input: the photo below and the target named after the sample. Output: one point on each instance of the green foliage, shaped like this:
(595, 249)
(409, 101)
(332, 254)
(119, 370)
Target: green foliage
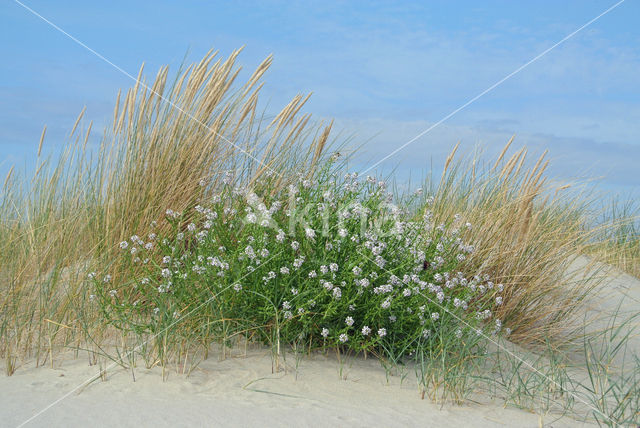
(329, 261)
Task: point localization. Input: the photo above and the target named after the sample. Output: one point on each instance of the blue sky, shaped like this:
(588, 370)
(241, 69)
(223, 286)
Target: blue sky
(385, 71)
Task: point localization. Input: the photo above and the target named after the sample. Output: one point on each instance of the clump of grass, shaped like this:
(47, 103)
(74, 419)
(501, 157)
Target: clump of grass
(166, 137)
(329, 262)
(618, 242)
(526, 233)
(599, 383)
(613, 374)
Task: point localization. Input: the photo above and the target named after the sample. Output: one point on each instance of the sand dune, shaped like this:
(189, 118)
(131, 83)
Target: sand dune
(216, 394)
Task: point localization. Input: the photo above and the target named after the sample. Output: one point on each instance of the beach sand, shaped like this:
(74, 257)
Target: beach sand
(216, 394)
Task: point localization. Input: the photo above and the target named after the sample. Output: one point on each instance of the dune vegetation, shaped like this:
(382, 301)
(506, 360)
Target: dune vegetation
(197, 222)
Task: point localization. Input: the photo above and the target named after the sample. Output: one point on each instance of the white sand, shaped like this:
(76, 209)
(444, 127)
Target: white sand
(216, 393)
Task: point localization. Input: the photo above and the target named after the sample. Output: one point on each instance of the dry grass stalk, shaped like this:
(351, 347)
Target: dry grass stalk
(526, 233)
(165, 138)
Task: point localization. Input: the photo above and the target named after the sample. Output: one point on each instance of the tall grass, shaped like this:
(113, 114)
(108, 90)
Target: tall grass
(166, 145)
(618, 242)
(526, 231)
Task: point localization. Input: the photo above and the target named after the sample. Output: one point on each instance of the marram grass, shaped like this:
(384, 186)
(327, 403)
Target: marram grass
(166, 137)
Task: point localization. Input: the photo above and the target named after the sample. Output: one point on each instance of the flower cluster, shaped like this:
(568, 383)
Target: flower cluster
(331, 259)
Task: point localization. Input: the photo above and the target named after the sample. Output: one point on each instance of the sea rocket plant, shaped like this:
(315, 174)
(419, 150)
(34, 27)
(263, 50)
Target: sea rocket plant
(353, 270)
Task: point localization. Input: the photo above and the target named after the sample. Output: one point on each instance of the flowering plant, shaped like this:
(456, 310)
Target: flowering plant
(331, 261)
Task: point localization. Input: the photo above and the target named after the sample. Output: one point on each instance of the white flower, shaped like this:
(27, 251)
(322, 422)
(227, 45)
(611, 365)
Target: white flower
(499, 300)
(337, 293)
(342, 233)
(251, 218)
(325, 333)
(382, 332)
(386, 304)
(310, 233)
(280, 236)
(312, 274)
(406, 292)
(166, 260)
(294, 291)
(333, 267)
(124, 245)
(284, 270)
(148, 246)
(286, 305)
(191, 227)
(324, 269)
(366, 330)
(435, 316)
(112, 293)
(357, 271)
(426, 333)
(349, 321)
(264, 253)
(295, 245)
(107, 278)
(288, 315)
(156, 310)
(392, 318)
(249, 251)
(343, 338)
(91, 275)
(237, 287)
(166, 273)
(458, 333)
